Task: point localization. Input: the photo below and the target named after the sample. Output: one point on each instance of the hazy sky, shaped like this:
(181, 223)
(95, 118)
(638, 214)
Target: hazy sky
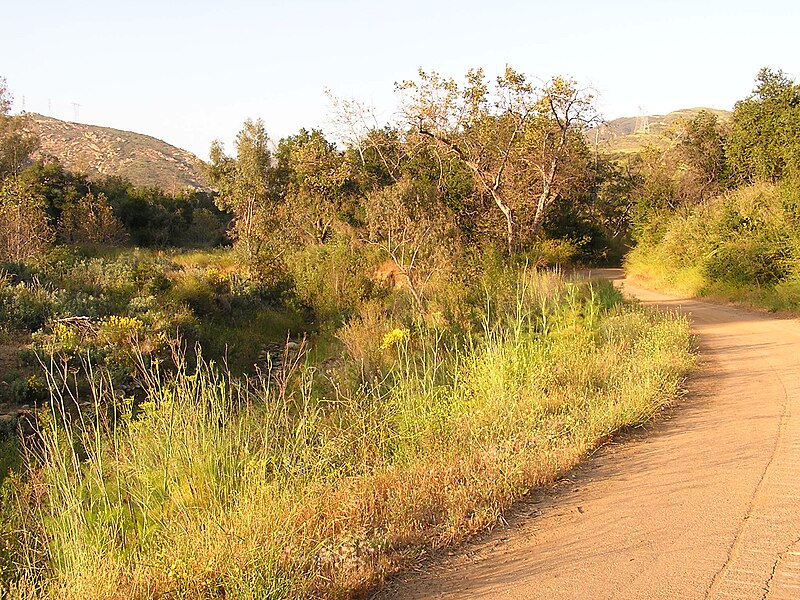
(191, 71)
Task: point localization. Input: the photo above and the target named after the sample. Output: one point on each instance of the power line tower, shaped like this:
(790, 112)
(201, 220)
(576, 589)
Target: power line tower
(642, 122)
(76, 108)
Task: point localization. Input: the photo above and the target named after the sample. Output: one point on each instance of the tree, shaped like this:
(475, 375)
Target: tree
(764, 143)
(701, 152)
(559, 154)
(314, 184)
(461, 119)
(245, 185)
(454, 184)
(613, 197)
(91, 221)
(24, 225)
(57, 186)
(596, 218)
(375, 148)
(16, 144)
(516, 140)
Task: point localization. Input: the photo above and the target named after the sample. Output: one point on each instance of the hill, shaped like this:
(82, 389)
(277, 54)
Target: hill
(100, 151)
(631, 134)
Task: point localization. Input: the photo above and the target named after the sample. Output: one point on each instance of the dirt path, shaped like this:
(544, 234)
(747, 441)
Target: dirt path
(705, 504)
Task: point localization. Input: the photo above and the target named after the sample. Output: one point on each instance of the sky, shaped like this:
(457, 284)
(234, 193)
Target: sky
(189, 72)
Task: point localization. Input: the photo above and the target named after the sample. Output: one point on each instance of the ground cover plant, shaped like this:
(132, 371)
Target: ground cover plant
(116, 308)
(323, 478)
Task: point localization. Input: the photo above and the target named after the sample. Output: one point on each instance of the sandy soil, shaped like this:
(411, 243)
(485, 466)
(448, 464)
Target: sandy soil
(702, 503)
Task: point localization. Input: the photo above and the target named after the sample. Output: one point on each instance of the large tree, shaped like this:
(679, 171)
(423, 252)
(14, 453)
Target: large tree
(764, 143)
(700, 151)
(521, 143)
(16, 143)
(246, 186)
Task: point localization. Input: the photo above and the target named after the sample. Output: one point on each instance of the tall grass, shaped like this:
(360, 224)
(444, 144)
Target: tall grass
(297, 485)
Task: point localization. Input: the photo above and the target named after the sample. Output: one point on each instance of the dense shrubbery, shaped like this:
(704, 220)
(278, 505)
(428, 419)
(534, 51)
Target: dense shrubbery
(717, 213)
(154, 219)
(47, 203)
(744, 245)
(104, 310)
(333, 279)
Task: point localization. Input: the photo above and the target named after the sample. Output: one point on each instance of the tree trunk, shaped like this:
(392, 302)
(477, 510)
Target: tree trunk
(541, 207)
(508, 213)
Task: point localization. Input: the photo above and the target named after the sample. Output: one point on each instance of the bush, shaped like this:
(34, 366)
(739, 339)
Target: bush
(743, 246)
(749, 261)
(26, 306)
(333, 279)
(27, 390)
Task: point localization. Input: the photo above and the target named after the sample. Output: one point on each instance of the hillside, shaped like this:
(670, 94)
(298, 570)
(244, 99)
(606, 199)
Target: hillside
(100, 151)
(630, 134)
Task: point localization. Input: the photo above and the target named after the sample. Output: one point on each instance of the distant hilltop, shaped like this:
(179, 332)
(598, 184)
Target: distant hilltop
(103, 151)
(631, 134)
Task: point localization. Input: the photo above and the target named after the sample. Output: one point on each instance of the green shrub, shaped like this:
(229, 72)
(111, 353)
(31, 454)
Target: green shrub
(27, 390)
(26, 306)
(743, 246)
(332, 279)
(749, 261)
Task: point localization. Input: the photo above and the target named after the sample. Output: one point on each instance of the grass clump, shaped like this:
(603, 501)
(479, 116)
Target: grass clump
(322, 478)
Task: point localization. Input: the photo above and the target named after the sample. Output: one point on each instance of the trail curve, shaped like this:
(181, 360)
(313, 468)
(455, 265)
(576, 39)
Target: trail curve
(703, 504)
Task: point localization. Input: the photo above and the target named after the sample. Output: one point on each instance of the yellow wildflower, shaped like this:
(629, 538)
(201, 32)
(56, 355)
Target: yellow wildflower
(395, 337)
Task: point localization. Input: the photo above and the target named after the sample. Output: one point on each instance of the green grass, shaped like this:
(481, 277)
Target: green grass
(239, 339)
(321, 481)
(10, 457)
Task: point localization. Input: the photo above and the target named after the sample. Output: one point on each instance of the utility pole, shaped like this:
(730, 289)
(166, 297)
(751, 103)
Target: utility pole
(642, 122)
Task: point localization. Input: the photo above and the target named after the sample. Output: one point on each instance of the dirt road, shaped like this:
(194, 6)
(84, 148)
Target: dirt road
(704, 504)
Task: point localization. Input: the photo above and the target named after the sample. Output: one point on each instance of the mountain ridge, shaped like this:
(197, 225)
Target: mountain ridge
(626, 135)
(102, 151)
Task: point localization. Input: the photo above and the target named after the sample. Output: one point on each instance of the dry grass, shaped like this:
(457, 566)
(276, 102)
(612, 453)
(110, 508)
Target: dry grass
(220, 489)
